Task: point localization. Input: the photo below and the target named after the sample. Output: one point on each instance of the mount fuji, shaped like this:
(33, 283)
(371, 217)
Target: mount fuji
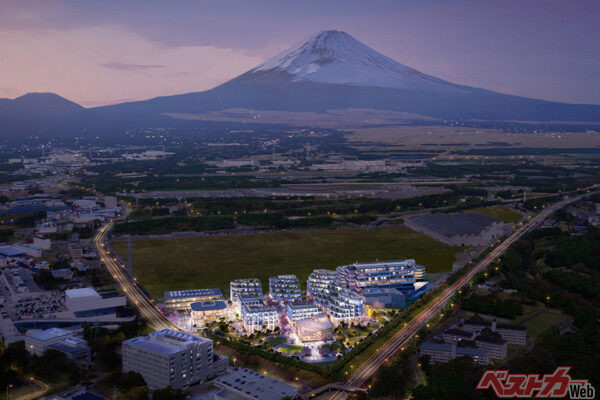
(332, 70)
(329, 71)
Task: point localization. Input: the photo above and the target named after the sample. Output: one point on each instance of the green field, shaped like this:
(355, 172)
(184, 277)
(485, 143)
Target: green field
(204, 262)
(275, 341)
(504, 214)
(291, 349)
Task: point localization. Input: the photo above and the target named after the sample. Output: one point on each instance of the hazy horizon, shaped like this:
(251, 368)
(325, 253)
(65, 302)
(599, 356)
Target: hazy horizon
(97, 54)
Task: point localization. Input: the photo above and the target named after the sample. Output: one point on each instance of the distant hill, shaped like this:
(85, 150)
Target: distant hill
(329, 71)
(39, 105)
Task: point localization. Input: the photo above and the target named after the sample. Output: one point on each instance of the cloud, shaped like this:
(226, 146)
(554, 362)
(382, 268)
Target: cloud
(74, 65)
(130, 67)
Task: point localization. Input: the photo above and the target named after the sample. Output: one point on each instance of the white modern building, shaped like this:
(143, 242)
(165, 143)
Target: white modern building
(387, 273)
(87, 303)
(245, 300)
(285, 288)
(204, 312)
(343, 304)
(318, 281)
(251, 385)
(296, 311)
(180, 300)
(258, 317)
(250, 287)
(172, 358)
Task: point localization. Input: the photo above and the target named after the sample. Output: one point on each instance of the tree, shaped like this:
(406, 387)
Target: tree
(168, 393)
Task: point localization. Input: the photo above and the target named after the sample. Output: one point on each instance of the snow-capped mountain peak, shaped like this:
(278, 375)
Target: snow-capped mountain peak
(335, 57)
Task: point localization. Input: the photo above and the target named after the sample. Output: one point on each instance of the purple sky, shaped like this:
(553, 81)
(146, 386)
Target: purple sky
(101, 52)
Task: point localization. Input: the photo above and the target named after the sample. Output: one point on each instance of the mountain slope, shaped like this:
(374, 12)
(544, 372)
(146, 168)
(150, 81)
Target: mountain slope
(332, 70)
(39, 105)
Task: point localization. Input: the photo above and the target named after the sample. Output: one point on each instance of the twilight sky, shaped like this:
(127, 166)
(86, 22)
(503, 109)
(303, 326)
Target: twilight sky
(99, 52)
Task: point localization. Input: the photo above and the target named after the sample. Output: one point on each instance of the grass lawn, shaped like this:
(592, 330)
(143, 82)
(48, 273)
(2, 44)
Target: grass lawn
(504, 214)
(538, 319)
(291, 348)
(276, 340)
(205, 262)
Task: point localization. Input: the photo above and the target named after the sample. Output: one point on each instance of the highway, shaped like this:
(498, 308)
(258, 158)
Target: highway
(135, 295)
(362, 374)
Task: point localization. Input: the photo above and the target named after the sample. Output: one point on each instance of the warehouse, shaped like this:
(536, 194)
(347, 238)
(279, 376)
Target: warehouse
(471, 229)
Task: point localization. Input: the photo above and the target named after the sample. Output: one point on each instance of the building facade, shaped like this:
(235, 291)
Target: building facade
(343, 304)
(296, 311)
(388, 273)
(383, 297)
(444, 352)
(180, 300)
(318, 281)
(285, 288)
(205, 312)
(258, 317)
(172, 358)
(245, 287)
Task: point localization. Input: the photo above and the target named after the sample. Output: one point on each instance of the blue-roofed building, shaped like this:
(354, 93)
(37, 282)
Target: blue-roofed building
(204, 312)
(37, 342)
(10, 251)
(171, 358)
(62, 273)
(180, 300)
(74, 348)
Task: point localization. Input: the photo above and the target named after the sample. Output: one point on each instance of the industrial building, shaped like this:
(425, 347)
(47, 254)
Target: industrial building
(87, 303)
(170, 358)
(180, 300)
(459, 229)
(285, 288)
(248, 384)
(250, 287)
